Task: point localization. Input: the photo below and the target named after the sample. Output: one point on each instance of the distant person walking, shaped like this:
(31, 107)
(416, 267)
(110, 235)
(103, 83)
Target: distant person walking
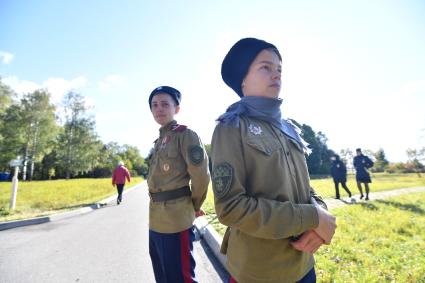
(339, 175)
(118, 178)
(362, 163)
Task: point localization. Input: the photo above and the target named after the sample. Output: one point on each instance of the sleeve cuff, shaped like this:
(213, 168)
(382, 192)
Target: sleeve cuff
(309, 217)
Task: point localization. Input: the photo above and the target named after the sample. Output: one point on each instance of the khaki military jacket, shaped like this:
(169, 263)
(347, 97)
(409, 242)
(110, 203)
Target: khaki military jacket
(179, 158)
(262, 191)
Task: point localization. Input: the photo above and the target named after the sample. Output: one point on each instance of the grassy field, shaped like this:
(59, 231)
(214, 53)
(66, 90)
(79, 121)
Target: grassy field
(325, 187)
(40, 198)
(378, 241)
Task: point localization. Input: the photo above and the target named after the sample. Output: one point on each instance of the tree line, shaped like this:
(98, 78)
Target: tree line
(68, 146)
(57, 147)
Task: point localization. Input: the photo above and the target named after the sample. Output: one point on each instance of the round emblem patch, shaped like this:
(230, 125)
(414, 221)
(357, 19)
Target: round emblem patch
(222, 178)
(196, 154)
(166, 167)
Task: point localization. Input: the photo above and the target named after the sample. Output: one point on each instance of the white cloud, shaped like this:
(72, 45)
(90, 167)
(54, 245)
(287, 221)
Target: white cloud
(6, 57)
(90, 102)
(20, 86)
(110, 81)
(57, 87)
(413, 88)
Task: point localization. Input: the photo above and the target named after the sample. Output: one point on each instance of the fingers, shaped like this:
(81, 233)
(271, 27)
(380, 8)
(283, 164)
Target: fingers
(309, 242)
(199, 213)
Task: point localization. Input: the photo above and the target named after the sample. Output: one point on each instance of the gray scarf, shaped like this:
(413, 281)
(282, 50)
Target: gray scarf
(262, 108)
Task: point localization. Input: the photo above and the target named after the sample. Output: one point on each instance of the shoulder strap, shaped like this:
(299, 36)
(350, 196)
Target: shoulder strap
(178, 128)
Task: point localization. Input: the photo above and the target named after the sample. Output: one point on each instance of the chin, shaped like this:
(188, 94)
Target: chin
(273, 95)
(159, 121)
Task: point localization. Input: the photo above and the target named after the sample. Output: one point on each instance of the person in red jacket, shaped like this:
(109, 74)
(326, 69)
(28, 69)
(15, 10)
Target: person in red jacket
(118, 178)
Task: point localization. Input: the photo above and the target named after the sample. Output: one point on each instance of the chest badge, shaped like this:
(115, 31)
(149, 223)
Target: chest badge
(166, 167)
(256, 130)
(165, 140)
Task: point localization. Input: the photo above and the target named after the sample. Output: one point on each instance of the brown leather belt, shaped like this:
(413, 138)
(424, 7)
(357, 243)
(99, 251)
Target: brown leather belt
(170, 195)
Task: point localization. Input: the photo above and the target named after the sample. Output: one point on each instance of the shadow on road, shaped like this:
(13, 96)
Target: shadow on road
(221, 271)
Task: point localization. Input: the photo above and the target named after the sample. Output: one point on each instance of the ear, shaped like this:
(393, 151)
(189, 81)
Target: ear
(177, 109)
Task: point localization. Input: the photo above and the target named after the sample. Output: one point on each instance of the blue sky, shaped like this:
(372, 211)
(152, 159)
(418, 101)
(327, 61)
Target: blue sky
(354, 70)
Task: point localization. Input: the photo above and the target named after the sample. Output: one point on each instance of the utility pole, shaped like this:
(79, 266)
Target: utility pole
(14, 163)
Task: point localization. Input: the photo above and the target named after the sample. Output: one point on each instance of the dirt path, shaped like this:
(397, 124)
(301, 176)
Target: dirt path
(335, 203)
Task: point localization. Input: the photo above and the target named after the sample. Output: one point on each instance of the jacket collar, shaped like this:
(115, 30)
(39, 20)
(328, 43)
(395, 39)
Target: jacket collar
(168, 127)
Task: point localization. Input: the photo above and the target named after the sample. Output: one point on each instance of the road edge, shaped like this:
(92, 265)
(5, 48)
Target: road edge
(64, 215)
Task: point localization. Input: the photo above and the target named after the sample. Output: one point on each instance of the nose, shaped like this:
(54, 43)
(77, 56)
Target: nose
(158, 109)
(276, 75)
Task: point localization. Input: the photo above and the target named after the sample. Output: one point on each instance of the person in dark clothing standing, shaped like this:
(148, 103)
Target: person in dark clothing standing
(362, 163)
(339, 174)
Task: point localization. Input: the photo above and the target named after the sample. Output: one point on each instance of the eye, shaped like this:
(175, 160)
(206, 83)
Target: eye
(266, 67)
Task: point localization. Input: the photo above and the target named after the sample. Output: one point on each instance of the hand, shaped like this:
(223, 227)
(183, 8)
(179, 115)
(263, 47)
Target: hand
(327, 225)
(309, 242)
(199, 213)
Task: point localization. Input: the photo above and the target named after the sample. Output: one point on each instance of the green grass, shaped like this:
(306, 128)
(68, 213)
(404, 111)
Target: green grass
(378, 241)
(40, 198)
(326, 188)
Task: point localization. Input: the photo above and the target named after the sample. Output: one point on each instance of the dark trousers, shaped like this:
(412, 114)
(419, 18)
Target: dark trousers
(172, 256)
(310, 277)
(344, 186)
(120, 188)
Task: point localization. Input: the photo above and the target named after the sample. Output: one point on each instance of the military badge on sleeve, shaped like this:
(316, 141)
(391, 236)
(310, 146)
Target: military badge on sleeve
(196, 154)
(222, 178)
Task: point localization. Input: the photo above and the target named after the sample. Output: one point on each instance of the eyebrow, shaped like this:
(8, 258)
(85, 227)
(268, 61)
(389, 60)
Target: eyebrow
(267, 62)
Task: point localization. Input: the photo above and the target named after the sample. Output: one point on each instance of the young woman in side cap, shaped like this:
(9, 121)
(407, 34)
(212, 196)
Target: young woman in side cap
(178, 158)
(260, 180)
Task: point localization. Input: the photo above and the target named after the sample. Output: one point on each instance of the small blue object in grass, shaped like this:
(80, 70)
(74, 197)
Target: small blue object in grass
(4, 176)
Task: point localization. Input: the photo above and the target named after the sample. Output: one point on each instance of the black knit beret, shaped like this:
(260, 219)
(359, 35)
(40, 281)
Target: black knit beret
(237, 61)
(174, 93)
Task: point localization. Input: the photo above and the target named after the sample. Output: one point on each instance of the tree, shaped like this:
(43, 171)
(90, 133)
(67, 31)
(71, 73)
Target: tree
(6, 100)
(414, 156)
(78, 145)
(12, 129)
(6, 97)
(381, 162)
(132, 157)
(39, 122)
(318, 161)
(347, 157)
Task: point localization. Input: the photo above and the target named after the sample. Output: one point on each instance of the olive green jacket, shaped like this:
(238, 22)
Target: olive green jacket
(178, 158)
(262, 191)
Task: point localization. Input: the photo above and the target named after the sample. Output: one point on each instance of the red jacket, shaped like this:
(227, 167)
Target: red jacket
(119, 176)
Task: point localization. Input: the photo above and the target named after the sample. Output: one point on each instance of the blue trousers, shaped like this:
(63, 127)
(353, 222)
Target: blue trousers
(172, 256)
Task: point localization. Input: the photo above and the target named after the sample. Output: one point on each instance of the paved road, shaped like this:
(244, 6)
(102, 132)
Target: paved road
(107, 245)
